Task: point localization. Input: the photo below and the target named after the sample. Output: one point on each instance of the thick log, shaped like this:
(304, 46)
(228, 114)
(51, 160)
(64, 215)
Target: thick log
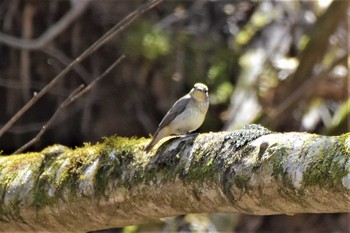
(115, 183)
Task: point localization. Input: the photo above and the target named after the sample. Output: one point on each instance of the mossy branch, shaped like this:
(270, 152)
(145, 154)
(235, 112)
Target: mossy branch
(115, 183)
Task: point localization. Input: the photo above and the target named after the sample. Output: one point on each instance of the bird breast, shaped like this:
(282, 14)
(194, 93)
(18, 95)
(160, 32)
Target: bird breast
(191, 118)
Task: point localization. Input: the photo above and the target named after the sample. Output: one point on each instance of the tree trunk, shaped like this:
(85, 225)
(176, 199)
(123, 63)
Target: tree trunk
(115, 183)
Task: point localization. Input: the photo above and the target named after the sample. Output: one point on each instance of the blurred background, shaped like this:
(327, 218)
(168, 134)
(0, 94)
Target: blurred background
(282, 64)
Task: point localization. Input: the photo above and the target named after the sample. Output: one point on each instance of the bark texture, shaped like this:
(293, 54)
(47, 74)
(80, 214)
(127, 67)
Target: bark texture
(115, 183)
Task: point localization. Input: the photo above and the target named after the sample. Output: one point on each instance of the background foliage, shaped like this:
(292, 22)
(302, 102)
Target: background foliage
(282, 64)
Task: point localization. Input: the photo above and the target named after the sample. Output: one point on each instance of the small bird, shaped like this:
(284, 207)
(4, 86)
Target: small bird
(186, 115)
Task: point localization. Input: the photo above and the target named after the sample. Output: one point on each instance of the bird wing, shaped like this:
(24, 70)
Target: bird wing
(174, 111)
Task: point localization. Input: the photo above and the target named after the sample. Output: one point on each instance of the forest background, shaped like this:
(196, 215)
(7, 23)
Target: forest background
(282, 64)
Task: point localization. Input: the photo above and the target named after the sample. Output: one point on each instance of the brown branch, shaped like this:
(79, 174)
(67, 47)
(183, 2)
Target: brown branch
(93, 83)
(70, 99)
(26, 128)
(106, 37)
(251, 171)
(65, 60)
(15, 84)
(65, 103)
(78, 8)
(25, 62)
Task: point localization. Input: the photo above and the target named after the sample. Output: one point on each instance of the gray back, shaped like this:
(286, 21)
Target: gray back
(175, 110)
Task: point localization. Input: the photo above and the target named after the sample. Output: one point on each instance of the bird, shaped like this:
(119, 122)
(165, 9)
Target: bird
(185, 116)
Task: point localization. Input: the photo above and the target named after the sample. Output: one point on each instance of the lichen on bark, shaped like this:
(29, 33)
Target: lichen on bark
(251, 171)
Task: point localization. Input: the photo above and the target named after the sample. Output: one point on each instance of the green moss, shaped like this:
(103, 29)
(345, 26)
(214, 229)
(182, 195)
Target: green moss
(15, 171)
(54, 150)
(344, 144)
(58, 169)
(15, 211)
(198, 172)
(277, 158)
(41, 197)
(56, 175)
(287, 190)
(327, 168)
(46, 176)
(241, 181)
(109, 167)
(202, 164)
(117, 154)
(123, 143)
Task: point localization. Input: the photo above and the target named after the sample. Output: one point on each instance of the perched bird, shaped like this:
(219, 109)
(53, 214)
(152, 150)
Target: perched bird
(186, 115)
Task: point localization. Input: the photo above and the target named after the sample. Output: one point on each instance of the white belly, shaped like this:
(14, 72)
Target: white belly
(188, 121)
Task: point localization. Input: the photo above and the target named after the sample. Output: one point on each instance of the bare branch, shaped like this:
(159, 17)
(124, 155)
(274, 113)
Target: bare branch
(25, 62)
(71, 98)
(65, 60)
(15, 84)
(65, 103)
(78, 8)
(250, 171)
(93, 83)
(106, 37)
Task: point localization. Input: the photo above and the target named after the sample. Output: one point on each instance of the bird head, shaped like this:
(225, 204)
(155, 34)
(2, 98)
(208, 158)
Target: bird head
(199, 92)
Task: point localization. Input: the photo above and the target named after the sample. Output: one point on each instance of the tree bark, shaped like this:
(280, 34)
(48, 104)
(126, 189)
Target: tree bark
(115, 183)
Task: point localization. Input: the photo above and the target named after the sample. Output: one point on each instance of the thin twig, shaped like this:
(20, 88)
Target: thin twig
(106, 37)
(26, 128)
(65, 103)
(61, 57)
(71, 98)
(16, 85)
(93, 83)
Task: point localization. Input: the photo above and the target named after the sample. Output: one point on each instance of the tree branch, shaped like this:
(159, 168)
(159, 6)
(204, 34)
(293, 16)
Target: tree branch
(65, 103)
(115, 183)
(78, 92)
(78, 8)
(104, 39)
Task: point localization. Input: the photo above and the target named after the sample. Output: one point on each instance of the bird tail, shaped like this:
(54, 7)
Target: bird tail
(159, 134)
